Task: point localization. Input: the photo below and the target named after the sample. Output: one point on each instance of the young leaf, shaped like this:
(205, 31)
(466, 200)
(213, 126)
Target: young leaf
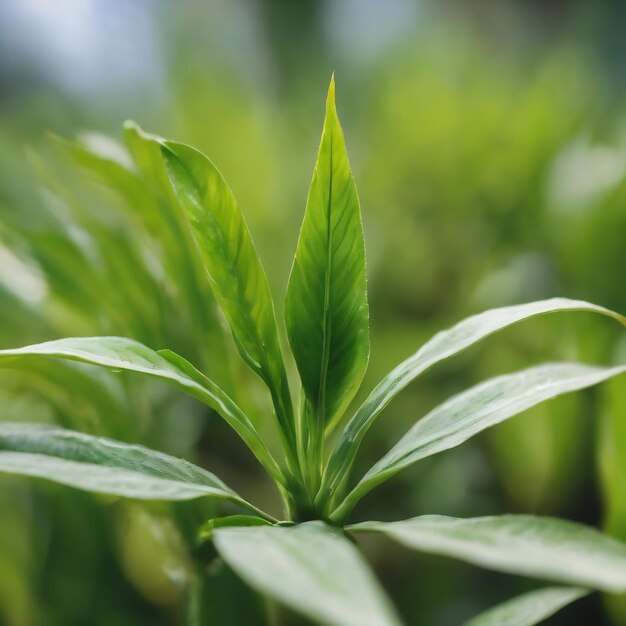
(443, 345)
(234, 269)
(326, 308)
(119, 353)
(311, 568)
(541, 547)
(474, 410)
(104, 465)
(529, 608)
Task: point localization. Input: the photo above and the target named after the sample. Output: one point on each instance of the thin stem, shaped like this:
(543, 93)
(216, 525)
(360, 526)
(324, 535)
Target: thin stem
(273, 612)
(257, 511)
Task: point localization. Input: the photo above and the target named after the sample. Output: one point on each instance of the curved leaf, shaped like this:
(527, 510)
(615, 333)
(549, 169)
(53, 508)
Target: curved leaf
(529, 608)
(104, 465)
(119, 353)
(326, 310)
(474, 410)
(541, 547)
(443, 345)
(311, 568)
(234, 269)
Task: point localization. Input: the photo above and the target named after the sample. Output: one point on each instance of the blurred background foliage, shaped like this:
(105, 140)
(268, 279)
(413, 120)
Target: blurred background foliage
(488, 141)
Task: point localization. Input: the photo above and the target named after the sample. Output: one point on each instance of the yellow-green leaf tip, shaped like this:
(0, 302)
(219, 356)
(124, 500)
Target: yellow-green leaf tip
(330, 100)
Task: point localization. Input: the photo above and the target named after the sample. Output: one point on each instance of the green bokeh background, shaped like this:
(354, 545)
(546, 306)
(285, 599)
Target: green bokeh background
(488, 142)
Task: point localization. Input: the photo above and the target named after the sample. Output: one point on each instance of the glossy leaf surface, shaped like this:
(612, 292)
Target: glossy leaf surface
(103, 465)
(311, 568)
(443, 345)
(541, 547)
(482, 406)
(326, 308)
(119, 353)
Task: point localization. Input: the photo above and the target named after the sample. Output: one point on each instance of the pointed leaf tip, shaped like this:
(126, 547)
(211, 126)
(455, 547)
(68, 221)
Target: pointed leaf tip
(331, 91)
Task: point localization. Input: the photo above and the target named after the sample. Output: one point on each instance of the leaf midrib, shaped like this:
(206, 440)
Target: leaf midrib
(327, 329)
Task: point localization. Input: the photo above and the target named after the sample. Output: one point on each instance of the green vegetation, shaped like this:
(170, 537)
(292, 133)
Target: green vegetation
(306, 559)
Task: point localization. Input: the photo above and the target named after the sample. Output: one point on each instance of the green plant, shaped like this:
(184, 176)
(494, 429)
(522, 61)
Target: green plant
(307, 561)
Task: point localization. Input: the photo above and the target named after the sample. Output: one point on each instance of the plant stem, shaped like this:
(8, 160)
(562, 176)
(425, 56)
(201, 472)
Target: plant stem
(273, 613)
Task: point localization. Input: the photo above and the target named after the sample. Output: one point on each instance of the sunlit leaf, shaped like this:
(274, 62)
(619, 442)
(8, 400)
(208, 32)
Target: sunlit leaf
(326, 309)
(472, 411)
(529, 608)
(311, 568)
(541, 547)
(443, 345)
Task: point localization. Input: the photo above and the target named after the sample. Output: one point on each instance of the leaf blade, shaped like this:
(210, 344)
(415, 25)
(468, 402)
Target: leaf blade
(120, 353)
(529, 608)
(104, 465)
(312, 568)
(443, 345)
(540, 547)
(476, 409)
(328, 283)
(234, 269)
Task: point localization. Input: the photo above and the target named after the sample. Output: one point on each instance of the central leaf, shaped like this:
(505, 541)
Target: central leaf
(326, 309)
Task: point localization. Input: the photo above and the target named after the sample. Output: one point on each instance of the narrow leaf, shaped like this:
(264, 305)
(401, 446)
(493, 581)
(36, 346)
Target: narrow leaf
(104, 465)
(541, 547)
(311, 568)
(472, 411)
(443, 345)
(234, 269)
(119, 353)
(530, 608)
(326, 308)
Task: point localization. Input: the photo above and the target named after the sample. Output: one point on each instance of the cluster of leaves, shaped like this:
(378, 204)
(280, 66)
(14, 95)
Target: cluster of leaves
(307, 561)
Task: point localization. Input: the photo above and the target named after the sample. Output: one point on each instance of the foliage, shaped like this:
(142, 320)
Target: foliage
(307, 560)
